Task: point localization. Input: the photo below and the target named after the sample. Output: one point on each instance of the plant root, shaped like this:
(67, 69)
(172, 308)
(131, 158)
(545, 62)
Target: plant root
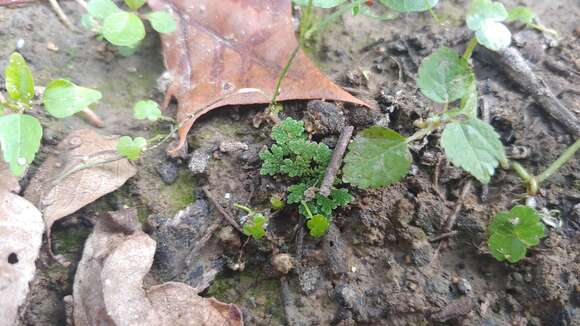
(336, 161)
(512, 62)
(221, 210)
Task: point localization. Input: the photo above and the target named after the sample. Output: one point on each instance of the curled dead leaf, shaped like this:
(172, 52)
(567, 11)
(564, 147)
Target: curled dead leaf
(108, 287)
(60, 188)
(232, 52)
(21, 229)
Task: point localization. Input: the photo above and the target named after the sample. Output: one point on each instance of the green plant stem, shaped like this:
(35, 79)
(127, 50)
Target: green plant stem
(565, 157)
(544, 29)
(273, 102)
(308, 212)
(470, 47)
(521, 171)
(328, 20)
(244, 208)
(432, 12)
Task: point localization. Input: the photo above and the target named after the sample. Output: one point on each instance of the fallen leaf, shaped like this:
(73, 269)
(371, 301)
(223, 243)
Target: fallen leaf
(8, 182)
(58, 191)
(21, 229)
(108, 287)
(231, 52)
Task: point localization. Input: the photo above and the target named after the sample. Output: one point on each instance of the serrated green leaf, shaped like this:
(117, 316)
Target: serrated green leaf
(135, 4)
(511, 233)
(162, 21)
(288, 130)
(320, 3)
(469, 102)
(445, 76)
(481, 11)
(410, 5)
(474, 146)
(255, 226)
(318, 225)
(521, 14)
(494, 36)
(102, 9)
(131, 148)
(377, 157)
(63, 98)
(146, 109)
(276, 203)
(123, 29)
(296, 193)
(341, 197)
(18, 78)
(272, 159)
(20, 137)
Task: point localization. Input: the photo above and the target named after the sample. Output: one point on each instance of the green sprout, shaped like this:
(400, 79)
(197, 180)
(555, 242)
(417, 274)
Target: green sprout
(255, 225)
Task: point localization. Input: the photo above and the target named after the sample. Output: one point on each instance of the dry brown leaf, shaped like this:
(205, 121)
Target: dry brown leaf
(108, 287)
(57, 194)
(8, 182)
(21, 229)
(231, 52)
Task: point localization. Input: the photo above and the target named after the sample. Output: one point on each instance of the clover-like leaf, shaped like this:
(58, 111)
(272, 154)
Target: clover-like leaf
(481, 11)
(131, 148)
(146, 109)
(511, 233)
(318, 225)
(320, 3)
(102, 9)
(494, 36)
(135, 4)
(123, 29)
(474, 146)
(255, 226)
(18, 78)
(296, 193)
(162, 21)
(410, 5)
(445, 76)
(521, 14)
(62, 98)
(20, 136)
(377, 157)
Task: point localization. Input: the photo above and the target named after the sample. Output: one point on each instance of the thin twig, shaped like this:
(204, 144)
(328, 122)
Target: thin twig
(92, 118)
(85, 166)
(61, 15)
(221, 210)
(443, 236)
(458, 207)
(336, 160)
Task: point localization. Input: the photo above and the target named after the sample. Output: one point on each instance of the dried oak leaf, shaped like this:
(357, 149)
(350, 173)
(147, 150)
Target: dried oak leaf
(108, 287)
(232, 52)
(8, 182)
(58, 191)
(21, 229)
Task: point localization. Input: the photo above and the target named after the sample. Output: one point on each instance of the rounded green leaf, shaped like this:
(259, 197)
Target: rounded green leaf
(20, 137)
(134, 4)
(131, 149)
(255, 226)
(123, 29)
(445, 76)
(102, 9)
(162, 21)
(63, 98)
(474, 146)
(19, 81)
(522, 14)
(505, 247)
(377, 157)
(318, 225)
(320, 3)
(493, 35)
(410, 5)
(146, 110)
(481, 11)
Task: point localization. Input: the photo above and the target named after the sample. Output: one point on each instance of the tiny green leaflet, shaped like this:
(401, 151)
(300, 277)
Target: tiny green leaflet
(123, 29)
(102, 9)
(485, 17)
(135, 4)
(255, 226)
(19, 81)
(162, 21)
(20, 136)
(410, 5)
(318, 225)
(521, 14)
(62, 98)
(131, 148)
(146, 109)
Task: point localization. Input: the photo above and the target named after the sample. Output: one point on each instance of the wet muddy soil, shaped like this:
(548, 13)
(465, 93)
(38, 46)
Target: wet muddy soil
(380, 264)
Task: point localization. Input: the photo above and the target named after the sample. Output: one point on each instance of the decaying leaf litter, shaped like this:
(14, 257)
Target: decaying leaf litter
(407, 287)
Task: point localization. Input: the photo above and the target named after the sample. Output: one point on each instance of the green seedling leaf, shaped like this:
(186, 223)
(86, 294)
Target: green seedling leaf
(123, 29)
(255, 226)
(272, 159)
(377, 157)
(410, 5)
(318, 225)
(481, 11)
(20, 137)
(135, 4)
(19, 81)
(147, 110)
(521, 14)
(511, 233)
(494, 36)
(162, 21)
(469, 102)
(90, 23)
(131, 149)
(474, 146)
(288, 130)
(296, 193)
(320, 3)
(102, 9)
(277, 203)
(63, 98)
(445, 76)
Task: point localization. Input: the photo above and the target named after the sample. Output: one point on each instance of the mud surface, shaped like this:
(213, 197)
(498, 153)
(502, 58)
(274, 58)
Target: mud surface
(378, 265)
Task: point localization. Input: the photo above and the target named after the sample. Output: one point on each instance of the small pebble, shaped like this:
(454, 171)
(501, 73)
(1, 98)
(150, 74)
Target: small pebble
(283, 263)
(199, 162)
(464, 287)
(232, 146)
(20, 44)
(52, 47)
(167, 170)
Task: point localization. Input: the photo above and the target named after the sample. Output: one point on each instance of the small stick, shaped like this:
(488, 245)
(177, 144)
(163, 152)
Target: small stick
(61, 15)
(336, 160)
(92, 118)
(221, 210)
(458, 207)
(516, 66)
(443, 236)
